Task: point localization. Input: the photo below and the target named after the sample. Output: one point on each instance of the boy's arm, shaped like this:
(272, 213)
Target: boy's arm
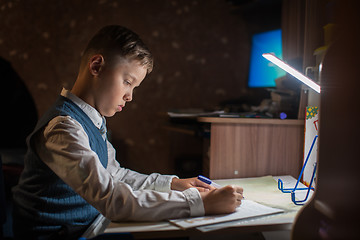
(64, 147)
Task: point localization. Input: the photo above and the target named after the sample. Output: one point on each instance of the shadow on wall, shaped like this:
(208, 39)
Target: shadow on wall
(19, 114)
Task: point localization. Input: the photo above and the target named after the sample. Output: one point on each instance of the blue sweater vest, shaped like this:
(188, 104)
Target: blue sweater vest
(43, 200)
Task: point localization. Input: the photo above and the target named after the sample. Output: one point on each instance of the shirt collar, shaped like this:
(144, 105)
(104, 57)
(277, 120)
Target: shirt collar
(91, 112)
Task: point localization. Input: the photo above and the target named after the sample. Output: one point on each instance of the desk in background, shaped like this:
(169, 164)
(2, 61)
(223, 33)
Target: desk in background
(249, 147)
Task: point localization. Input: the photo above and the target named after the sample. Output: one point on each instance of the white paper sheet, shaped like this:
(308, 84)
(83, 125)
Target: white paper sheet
(247, 209)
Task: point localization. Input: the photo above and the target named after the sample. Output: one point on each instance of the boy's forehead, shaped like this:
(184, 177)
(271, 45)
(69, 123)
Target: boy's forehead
(131, 68)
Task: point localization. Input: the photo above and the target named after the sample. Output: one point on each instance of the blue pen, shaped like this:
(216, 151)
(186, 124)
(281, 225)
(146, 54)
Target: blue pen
(208, 181)
(211, 183)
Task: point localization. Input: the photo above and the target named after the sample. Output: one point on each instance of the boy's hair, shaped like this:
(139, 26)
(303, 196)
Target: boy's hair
(115, 40)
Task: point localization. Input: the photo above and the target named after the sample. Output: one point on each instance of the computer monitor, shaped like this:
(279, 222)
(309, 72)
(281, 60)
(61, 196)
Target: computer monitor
(262, 73)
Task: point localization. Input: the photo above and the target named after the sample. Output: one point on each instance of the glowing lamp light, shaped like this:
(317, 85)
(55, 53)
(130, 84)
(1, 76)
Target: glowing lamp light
(287, 68)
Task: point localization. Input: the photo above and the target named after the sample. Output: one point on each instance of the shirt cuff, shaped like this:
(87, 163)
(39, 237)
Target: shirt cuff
(163, 183)
(194, 199)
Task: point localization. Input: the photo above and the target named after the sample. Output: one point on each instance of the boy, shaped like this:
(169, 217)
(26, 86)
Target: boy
(71, 174)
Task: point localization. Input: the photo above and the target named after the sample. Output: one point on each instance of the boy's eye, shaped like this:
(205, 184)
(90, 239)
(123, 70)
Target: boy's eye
(127, 82)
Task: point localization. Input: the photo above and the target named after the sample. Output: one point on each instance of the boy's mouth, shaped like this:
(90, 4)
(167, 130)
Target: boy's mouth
(120, 108)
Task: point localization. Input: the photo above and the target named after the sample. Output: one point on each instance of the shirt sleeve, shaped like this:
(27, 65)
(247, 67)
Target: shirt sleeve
(118, 193)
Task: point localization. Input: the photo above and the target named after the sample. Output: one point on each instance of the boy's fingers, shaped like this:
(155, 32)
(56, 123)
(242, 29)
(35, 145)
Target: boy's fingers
(200, 183)
(238, 203)
(239, 190)
(201, 189)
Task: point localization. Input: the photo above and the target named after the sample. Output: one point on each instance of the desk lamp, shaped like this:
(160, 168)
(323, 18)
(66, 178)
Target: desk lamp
(287, 68)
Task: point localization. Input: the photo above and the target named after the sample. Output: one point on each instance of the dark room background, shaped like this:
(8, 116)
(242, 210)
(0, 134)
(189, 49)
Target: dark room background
(201, 50)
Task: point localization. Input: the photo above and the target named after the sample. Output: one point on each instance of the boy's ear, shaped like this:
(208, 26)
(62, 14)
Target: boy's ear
(95, 64)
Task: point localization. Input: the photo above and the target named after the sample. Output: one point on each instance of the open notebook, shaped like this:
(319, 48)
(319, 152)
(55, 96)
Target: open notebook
(247, 209)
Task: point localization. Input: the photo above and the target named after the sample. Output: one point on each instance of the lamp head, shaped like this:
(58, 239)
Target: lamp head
(287, 68)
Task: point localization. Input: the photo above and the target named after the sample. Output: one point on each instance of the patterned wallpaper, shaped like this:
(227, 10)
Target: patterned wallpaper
(201, 57)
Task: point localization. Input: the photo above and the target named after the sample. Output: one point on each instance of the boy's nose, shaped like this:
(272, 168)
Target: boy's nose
(128, 97)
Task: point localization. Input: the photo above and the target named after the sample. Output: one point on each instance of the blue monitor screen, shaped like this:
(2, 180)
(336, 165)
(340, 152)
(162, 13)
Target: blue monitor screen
(263, 73)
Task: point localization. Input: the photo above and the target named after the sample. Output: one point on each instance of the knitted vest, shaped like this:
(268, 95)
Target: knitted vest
(44, 201)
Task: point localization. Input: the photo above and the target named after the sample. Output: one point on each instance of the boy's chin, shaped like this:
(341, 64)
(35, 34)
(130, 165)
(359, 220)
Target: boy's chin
(109, 114)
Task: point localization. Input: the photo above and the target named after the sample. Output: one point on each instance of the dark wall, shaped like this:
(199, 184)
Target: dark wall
(201, 51)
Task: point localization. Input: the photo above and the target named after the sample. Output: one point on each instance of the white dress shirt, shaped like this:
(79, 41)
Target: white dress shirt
(117, 193)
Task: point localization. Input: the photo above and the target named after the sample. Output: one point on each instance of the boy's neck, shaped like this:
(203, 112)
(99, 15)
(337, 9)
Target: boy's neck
(83, 89)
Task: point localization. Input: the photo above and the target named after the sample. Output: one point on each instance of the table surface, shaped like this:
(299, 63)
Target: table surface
(260, 189)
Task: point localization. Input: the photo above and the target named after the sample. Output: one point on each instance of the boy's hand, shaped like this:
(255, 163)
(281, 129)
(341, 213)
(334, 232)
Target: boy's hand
(183, 184)
(222, 200)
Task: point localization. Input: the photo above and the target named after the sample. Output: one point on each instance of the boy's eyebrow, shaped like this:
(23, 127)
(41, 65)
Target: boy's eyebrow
(131, 76)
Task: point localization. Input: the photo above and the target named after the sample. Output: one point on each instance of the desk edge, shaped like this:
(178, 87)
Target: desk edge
(269, 121)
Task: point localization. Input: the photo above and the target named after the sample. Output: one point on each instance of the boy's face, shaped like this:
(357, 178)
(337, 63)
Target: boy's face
(115, 84)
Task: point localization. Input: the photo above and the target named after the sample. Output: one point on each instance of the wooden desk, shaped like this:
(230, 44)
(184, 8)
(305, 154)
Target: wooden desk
(250, 147)
(261, 189)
